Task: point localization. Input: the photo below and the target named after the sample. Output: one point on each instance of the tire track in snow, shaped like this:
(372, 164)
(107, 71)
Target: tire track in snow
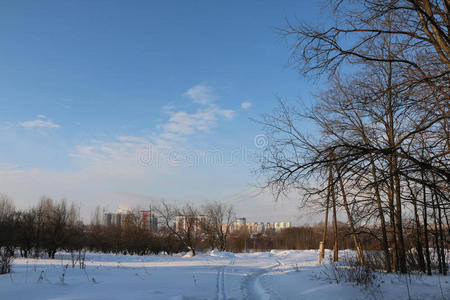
(220, 280)
(252, 287)
(223, 283)
(220, 284)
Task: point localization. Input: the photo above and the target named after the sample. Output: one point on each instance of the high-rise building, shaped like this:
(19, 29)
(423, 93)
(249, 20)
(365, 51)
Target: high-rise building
(257, 227)
(149, 221)
(284, 225)
(182, 223)
(238, 224)
(117, 219)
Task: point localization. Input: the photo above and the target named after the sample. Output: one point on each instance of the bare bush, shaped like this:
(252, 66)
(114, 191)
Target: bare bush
(375, 260)
(351, 271)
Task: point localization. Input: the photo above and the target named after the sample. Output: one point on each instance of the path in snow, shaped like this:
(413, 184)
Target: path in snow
(253, 288)
(220, 284)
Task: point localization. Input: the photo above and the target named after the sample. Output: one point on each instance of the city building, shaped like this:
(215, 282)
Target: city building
(117, 219)
(149, 220)
(182, 223)
(259, 227)
(284, 225)
(238, 224)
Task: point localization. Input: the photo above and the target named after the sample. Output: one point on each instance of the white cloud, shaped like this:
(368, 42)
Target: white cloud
(39, 123)
(115, 159)
(185, 123)
(246, 105)
(42, 116)
(227, 113)
(203, 119)
(201, 94)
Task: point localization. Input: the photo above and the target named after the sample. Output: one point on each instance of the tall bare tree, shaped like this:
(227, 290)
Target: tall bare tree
(188, 230)
(220, 218)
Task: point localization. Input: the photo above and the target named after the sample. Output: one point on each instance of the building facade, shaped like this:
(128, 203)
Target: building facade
(182, 223)
(118, 219)
(258, 227)
(149, 220)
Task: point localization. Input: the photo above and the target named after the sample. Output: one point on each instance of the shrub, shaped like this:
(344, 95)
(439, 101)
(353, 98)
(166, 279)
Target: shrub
(351, 271)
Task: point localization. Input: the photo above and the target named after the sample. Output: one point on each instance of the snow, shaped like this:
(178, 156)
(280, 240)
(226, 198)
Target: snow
(214, 275)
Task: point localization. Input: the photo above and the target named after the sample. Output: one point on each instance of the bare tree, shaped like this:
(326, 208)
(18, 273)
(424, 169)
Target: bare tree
(7, 238)
(220, 218)
(356, 122)
(419, 33)
(184, 223)
(385, 120)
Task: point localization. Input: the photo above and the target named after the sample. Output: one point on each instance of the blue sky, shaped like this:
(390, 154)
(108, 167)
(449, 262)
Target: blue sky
(89, 88)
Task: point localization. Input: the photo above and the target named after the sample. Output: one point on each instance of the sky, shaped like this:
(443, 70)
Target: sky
(124, 103)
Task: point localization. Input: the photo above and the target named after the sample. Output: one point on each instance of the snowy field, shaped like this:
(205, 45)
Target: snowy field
(213, 275)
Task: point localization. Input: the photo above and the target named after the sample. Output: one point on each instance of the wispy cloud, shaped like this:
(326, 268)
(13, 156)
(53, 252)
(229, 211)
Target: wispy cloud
(201, 94)
(203, 119)
(184, 123)
(126, 151)
(246, 105)
(41, 121)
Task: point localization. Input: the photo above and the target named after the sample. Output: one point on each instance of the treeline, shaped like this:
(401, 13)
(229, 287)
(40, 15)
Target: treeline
(379, 153)
(53, 226)
(48, 227)
(309, 238)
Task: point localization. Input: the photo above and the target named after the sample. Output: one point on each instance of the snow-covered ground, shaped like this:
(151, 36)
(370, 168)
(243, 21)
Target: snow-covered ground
(214, 275)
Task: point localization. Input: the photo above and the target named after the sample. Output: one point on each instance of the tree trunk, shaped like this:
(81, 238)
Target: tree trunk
(419, 246)
(401, 241)
(436, 238)
(392, 225)
(425, 229)
(387, 261)
(335, 228)
(325, 226)
(350, 220)
(441, 238)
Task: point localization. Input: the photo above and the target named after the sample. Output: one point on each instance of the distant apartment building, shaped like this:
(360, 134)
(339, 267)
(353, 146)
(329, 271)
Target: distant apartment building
(258, 227)
(117, 219)
(149, 220)
(280, 226)
(284, 225)
(238, 224)
(183, 222)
